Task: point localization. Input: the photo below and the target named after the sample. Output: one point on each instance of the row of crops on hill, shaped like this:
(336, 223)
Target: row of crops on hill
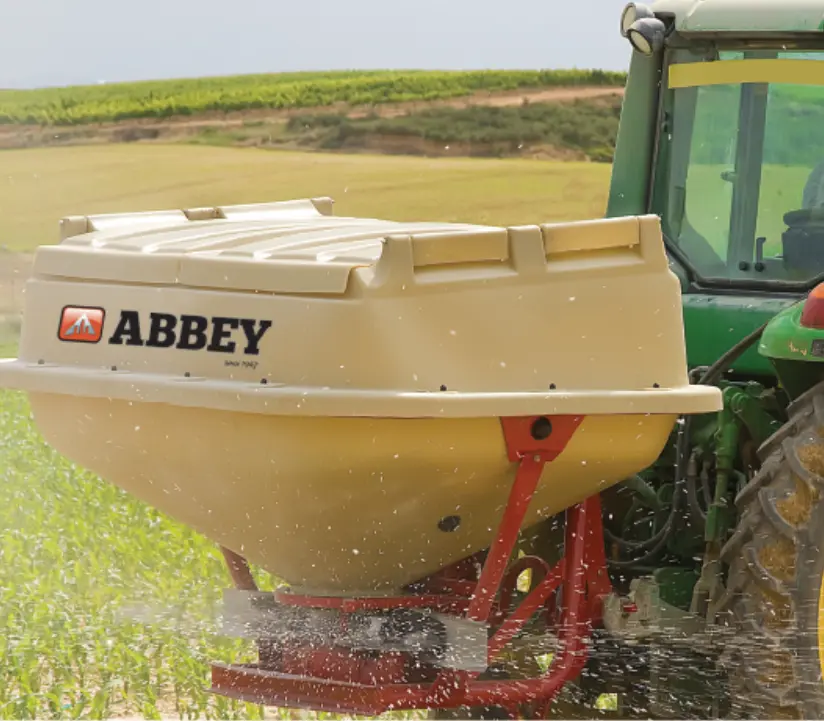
(164, 99)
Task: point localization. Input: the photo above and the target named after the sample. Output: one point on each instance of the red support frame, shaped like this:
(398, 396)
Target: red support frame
(368, 686)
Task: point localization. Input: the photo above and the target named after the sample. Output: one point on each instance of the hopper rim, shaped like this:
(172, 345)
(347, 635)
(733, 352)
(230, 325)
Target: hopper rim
(279, 399)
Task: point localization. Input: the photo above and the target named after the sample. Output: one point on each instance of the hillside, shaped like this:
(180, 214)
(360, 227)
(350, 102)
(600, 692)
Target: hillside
(189, 97)
(557, 114)
(575, 130)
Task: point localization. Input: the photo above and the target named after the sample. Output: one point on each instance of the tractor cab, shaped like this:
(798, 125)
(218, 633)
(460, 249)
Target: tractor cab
(722, 137)
(739, 177)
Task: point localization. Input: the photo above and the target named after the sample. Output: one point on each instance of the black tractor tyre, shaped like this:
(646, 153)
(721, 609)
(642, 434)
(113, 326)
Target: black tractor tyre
(774, 587)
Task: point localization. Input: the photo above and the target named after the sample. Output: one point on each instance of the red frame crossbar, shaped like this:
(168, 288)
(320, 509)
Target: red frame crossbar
(372, 687)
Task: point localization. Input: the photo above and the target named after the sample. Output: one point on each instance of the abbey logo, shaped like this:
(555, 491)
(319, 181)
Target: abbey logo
(214, 334)
(81, 325)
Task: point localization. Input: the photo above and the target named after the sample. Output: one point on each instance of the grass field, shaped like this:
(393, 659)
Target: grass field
(42, 185)
(106, 606)
(161, 99)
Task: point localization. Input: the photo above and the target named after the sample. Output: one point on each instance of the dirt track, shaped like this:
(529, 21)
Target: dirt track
(498, 100)
(502, 99)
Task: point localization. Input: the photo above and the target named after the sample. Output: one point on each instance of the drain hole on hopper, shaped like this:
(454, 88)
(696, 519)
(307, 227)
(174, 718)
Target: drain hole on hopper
(541, 429)
(449, 524)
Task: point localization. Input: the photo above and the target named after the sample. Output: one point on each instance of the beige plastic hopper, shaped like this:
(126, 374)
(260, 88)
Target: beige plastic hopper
(317, 393)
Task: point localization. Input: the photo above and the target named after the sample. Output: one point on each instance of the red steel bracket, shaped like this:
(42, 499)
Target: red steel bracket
(533, 442)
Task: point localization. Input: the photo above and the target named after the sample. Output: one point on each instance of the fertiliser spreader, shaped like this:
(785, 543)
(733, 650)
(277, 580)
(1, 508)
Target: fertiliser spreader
(371, 411)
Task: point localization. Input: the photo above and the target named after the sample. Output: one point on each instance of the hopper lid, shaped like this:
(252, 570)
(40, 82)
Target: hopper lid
(286, 247)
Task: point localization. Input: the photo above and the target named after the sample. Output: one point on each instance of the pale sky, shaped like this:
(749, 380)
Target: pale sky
(65, 42)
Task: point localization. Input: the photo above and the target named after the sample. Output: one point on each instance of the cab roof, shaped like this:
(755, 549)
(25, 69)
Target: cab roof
(776, 16)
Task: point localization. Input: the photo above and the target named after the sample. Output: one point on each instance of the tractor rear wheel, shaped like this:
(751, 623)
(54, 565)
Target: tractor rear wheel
(775, 587)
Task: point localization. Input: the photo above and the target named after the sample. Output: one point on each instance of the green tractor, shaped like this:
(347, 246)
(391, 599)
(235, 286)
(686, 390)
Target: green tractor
(719, 134)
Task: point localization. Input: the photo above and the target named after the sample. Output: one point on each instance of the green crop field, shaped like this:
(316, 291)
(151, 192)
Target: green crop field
(107, 607)
(161, 99)
(75, 553)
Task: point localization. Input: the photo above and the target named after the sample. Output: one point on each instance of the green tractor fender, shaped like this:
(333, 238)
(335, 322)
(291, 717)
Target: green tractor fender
(793, 341)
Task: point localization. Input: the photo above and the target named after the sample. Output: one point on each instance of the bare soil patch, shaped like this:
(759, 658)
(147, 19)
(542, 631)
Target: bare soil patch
(499, 100)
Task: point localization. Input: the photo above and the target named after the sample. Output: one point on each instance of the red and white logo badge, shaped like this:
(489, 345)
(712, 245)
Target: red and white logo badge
(81, 325)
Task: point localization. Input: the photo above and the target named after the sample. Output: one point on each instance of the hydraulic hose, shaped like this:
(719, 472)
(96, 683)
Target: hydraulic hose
(692, 487)
(733, 354)
(654, 545)
(657, 542)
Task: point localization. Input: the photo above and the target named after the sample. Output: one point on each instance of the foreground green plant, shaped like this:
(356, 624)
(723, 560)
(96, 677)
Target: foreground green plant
(106, 606)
